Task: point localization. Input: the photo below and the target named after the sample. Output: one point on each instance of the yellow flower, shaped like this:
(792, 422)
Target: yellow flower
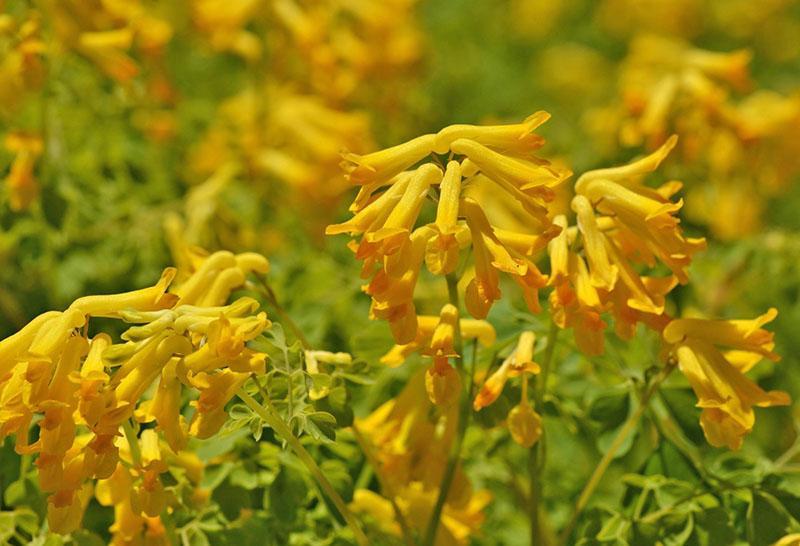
(519, 362)
(724, 393)
(410, 441)
(145, 299)
(442, 382)
(470, 329)
(215, 391)
(441, 254)
(644, 217)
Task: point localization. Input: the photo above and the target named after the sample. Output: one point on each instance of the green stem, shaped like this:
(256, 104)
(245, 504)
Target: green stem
(463, 420)
(536, 456)
(133, 442)
(268, 414)
(629, 426)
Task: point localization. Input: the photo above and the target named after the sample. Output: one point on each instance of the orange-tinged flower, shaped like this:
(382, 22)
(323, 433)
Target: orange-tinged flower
(725, 394)
(519, 362)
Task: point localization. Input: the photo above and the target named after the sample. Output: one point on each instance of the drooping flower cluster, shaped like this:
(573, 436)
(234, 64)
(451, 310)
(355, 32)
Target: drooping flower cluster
(714, 355)
(621, 224)
(410, 447)
(391, 198)
(747, 148)
(79, 392)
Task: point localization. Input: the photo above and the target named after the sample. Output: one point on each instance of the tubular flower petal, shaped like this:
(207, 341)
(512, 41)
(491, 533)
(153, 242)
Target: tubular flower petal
(603, 273)
(383, 165)
(519, 362)
(441, 255)
(146, 299)
(79, 392)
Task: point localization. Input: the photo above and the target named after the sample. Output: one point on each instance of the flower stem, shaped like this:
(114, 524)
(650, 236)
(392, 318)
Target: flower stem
(133, 442)
(463, 420)
(536, 455)
(271, 418)
(616, 444)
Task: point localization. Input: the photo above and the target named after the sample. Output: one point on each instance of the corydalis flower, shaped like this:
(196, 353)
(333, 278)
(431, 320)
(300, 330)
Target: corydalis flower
(523, 421)
(621, 224)
(81, 391)
(391, 199)
(714, 355)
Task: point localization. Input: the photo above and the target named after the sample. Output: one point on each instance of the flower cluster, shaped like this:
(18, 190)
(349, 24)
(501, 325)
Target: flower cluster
(605, 261)
(79, 392)
(621, 224)
(390, 202)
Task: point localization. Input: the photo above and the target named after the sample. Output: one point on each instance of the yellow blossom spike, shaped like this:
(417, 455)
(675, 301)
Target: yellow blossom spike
(54, 333)
(166, 407)
(558, 249)
(373, 215)
(220, 290)
(522, 357)
(525, 243)
(131, 387)
(517, 138)
(383, 165)
(190, 291)
(603, 273)
(146, 299)
(12, 347)
(491, 389)
(215, 391)
(252, 262)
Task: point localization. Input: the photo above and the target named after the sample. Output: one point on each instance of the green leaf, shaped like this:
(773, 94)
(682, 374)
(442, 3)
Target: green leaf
(766, 520)
(287, 494)
(610, 409)
(321, 425)
(713, 528)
